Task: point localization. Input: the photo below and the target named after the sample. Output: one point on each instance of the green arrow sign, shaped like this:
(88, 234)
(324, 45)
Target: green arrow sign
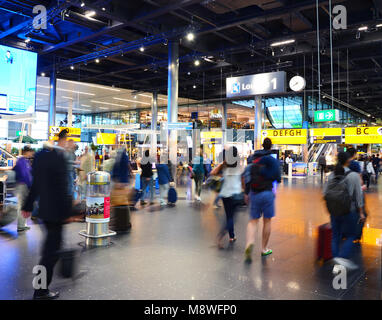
(326, 115)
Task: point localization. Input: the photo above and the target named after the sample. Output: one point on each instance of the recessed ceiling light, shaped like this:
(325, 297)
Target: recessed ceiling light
(188, 72)
(194, 86)
(379, 25)
(97, 60)
(196, 62)
(364, 28)
(72, 67)
(42, 74)
(103, 9)
(190, 36)
(141, 49)
(82, 4)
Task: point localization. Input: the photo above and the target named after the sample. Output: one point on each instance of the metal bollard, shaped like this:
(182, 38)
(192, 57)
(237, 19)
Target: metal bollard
(97, 231)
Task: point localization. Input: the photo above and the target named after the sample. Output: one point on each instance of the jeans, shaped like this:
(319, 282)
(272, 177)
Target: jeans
(230, 206)
(198, 184)
(163, 193)
(147, 182)
(50, 251)
(22, 193)
(344, 226)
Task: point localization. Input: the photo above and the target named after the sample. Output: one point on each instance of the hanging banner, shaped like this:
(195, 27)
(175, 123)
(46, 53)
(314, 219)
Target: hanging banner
(326, 135)
(363, 135)
(106, 138)
(73, 133)
(286, 136)
(256, 84)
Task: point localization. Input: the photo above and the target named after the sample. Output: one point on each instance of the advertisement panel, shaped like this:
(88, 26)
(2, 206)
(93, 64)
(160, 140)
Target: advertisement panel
(18, 69)
(286, 136)
(299, 169)
(326, 135)
(73, 133)
(363, 135)
(256, 84)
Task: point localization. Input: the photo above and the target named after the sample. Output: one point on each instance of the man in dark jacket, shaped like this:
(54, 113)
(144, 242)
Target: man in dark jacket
(265, 170)
(50, 186)
(322, 164)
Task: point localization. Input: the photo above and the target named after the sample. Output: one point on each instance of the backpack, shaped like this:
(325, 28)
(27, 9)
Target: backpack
(337, 197)
(258, 182)
(172, 195)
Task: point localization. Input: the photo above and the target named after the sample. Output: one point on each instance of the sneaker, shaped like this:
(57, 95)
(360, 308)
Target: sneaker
(232, 239)
(248, 253)
(266, 252)
(216, 206)
(143, 203)
(21, 229)
(348, 264)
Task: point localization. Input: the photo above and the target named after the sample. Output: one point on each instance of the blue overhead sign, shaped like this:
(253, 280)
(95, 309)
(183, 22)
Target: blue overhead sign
(180, 126)
(256, 84)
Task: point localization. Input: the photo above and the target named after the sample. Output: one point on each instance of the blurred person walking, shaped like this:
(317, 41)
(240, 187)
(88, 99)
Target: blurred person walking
(264, 171)
(368, 171)
(344, 199)
(87, 165)
(198, 173)
(231, 191)
(147, 178)
(164, 179)
(23, 172)
(322, 164)
(50, 186)
(376, 165)
(71, 160)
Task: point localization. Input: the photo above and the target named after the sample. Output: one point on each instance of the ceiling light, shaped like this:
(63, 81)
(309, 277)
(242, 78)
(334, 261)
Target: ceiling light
(110, 104)
(82, 4)
(281, 43)
(89, 85)
(132, 101)
(379, 25)
(141, 49)
(196, 62)
(103, 9)
(364, 28)
(188, 72)
(190, 36)
(42, 74)
(72, 67)
(194, 86)
(27, 40)
(97, 60)
(89, 14)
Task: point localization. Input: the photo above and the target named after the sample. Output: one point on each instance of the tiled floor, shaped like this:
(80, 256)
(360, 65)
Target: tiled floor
(171, 254)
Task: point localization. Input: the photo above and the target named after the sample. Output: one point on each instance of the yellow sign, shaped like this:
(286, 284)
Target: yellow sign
(211, 134)
(363, 135)
(73, 133)
(326, 135)
(286, 136)
(106, 138)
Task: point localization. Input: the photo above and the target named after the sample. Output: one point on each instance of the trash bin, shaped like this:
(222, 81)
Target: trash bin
(97, 231)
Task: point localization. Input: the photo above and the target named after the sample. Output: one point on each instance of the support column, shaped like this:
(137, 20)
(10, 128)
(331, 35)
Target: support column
(258, 122)
(172, 96)
(70, 114)
(154, 117)
(52, 98)
(224, 121)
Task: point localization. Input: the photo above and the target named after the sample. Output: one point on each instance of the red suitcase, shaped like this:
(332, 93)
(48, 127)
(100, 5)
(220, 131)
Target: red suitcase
(324, 245)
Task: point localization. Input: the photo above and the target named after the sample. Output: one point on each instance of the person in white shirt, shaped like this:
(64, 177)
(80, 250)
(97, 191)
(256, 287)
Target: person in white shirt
(231, 190)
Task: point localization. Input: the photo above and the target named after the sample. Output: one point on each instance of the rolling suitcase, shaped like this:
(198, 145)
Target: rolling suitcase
(324, 245)
(172, 196)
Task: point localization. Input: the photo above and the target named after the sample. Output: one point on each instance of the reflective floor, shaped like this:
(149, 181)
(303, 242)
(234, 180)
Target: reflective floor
(172, 254)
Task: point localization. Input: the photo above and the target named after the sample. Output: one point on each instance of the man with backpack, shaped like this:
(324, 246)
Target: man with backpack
(344, 201)
(258, 179)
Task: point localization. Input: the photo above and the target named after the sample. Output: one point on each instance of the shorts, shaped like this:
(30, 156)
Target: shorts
(262, 204)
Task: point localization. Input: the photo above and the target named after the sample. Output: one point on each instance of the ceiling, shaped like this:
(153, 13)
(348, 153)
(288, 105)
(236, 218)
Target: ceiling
(92, 98)
(232, 37)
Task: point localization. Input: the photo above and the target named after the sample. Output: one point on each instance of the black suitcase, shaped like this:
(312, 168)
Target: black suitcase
(120, 219)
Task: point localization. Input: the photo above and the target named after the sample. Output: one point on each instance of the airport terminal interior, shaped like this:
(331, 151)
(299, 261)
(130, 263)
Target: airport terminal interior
(190, 150)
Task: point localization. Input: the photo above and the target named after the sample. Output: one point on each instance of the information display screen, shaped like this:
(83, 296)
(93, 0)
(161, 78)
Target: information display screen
(18, 70)
(326, 135)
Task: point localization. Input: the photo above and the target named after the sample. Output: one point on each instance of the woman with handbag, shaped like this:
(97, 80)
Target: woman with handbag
(230, 192)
